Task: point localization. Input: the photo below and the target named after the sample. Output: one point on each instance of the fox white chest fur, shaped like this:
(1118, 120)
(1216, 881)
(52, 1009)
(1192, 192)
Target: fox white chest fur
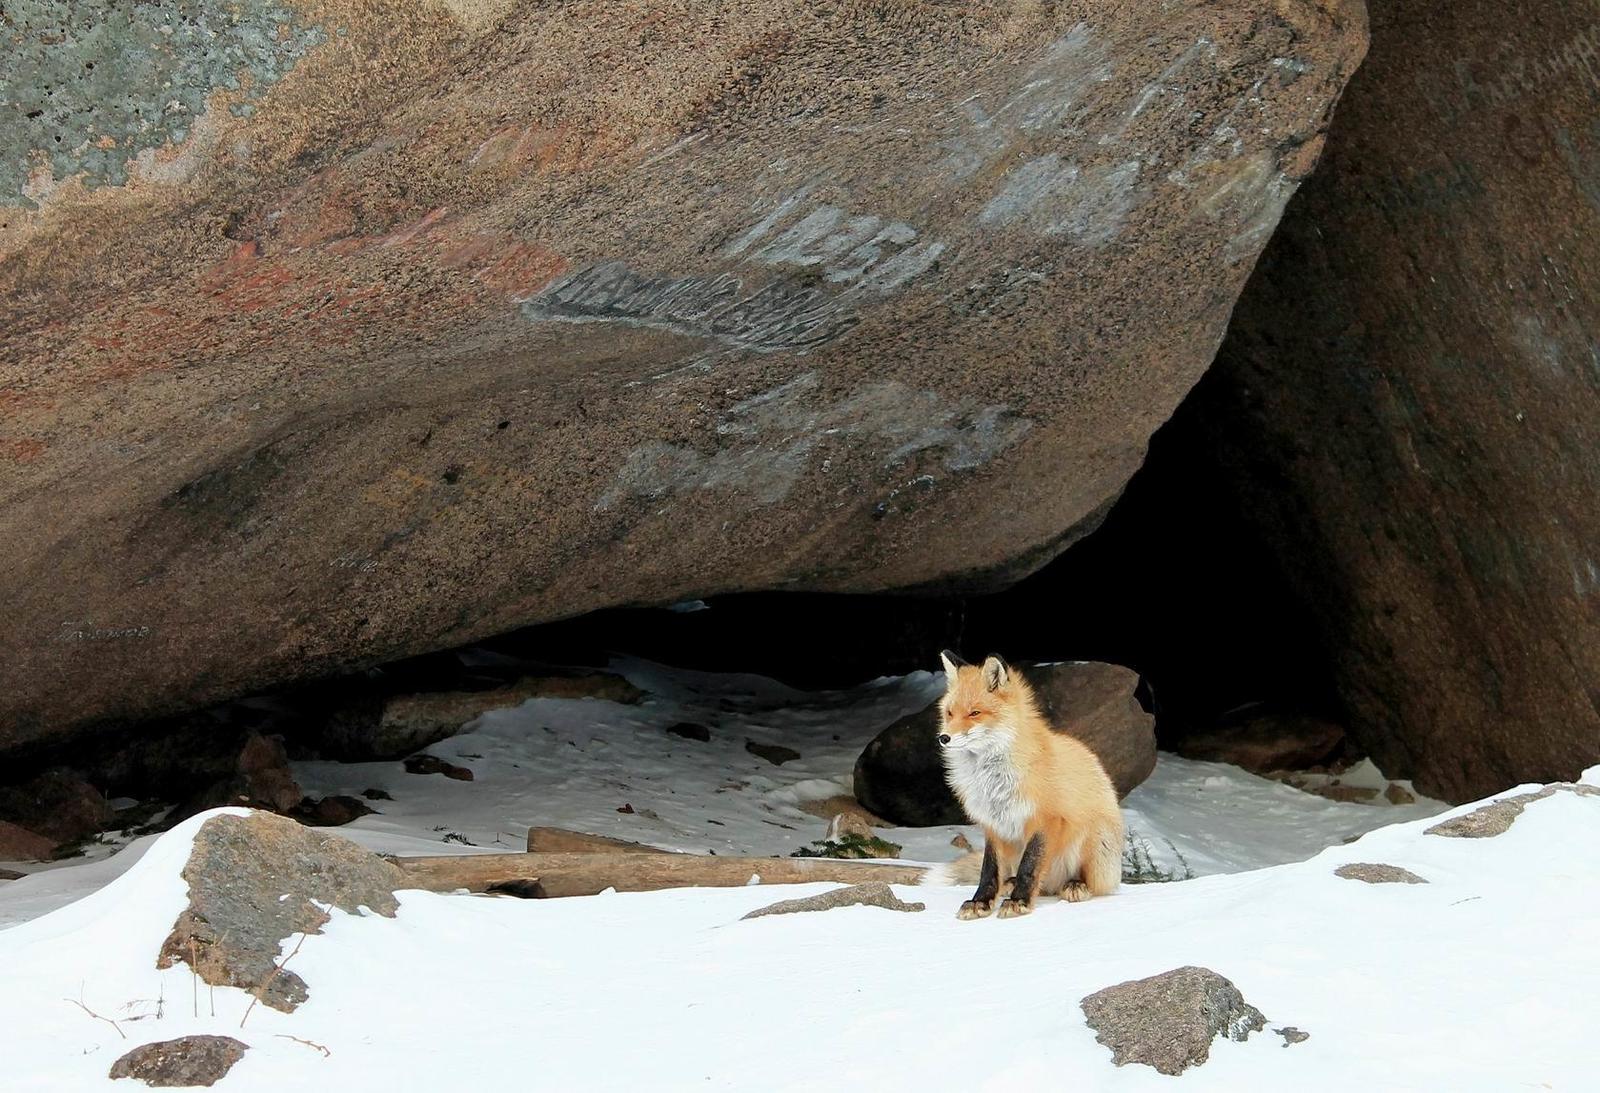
(989, 786)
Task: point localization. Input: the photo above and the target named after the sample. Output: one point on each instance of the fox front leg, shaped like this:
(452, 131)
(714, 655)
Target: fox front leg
(981, 905)
(1027, 879)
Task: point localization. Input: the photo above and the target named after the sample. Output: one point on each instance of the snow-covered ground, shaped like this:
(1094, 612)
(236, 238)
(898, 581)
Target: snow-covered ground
(1477, 980)
(1480, 979)
(574, 763)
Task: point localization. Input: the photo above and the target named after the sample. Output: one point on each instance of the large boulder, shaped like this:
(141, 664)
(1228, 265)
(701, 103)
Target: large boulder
(329, 336)
(1408, 401)
(900, 774)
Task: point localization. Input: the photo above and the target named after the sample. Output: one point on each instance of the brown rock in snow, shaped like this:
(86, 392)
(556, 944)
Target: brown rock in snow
(186, 1062)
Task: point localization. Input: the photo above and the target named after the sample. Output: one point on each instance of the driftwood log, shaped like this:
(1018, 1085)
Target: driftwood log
(558, 840)
(586, 874)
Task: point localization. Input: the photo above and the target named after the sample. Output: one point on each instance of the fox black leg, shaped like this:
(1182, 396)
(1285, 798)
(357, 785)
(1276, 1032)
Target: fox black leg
(982, 902)
(1027, 879)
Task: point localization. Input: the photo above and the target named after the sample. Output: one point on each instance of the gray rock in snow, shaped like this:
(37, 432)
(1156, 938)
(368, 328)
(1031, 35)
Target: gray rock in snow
(1169, 1020)
(876, 894)
(255, 880)
(1378, 873)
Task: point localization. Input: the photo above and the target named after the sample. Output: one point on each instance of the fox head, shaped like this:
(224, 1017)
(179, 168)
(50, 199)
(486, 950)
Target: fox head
(974, 713)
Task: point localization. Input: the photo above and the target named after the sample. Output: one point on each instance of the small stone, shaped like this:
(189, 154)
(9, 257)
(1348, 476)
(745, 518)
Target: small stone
(1292, 1035)
(960, 842)
(1398, 794)
(876, 894)
(377, 795)
(1168, 1021)
(431, 764)
(187, 1061)
(333, 811)
(11, 874)
(690, 731)
(775, 754)
(1378, 873)
(1343, 793)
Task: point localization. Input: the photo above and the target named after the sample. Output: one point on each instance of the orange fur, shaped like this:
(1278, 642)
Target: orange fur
(1017, 778)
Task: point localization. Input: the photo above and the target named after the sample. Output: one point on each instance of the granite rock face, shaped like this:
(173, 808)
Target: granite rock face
(411, 323)
(1408, 400)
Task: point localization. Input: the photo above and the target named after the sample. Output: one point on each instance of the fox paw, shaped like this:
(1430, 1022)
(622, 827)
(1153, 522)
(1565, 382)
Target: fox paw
(1076, 892)
(1015, 908)
(975, 908)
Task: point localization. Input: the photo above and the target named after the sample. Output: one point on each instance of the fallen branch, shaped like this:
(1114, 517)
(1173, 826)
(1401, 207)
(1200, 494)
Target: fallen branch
(585, 874)
(97, 1017)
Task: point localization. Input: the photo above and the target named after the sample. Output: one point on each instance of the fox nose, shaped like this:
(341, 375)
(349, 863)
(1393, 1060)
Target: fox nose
(944, 738)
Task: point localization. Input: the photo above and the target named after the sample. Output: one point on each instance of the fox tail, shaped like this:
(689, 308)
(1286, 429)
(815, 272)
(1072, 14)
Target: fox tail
(963, 871)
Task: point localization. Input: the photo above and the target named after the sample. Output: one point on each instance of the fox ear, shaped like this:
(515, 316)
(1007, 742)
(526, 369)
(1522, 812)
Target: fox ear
(995, 673)
(951, 662)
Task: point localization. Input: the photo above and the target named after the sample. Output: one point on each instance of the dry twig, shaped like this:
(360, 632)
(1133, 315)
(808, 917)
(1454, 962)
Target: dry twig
(308, 1043)
(97, 1017)
(267, 982)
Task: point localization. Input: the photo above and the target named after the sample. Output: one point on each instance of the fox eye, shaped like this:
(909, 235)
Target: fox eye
(975, 713)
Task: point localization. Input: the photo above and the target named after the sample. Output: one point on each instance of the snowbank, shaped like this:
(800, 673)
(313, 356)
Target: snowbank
(1474, 980)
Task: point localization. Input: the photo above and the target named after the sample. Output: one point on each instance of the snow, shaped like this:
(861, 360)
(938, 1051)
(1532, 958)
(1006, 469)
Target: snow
(1474, 981)
(574, 762)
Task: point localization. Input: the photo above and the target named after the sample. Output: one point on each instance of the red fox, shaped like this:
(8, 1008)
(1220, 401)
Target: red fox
(1049, 812)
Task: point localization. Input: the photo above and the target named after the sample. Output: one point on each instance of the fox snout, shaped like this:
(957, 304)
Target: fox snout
(944, 740)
